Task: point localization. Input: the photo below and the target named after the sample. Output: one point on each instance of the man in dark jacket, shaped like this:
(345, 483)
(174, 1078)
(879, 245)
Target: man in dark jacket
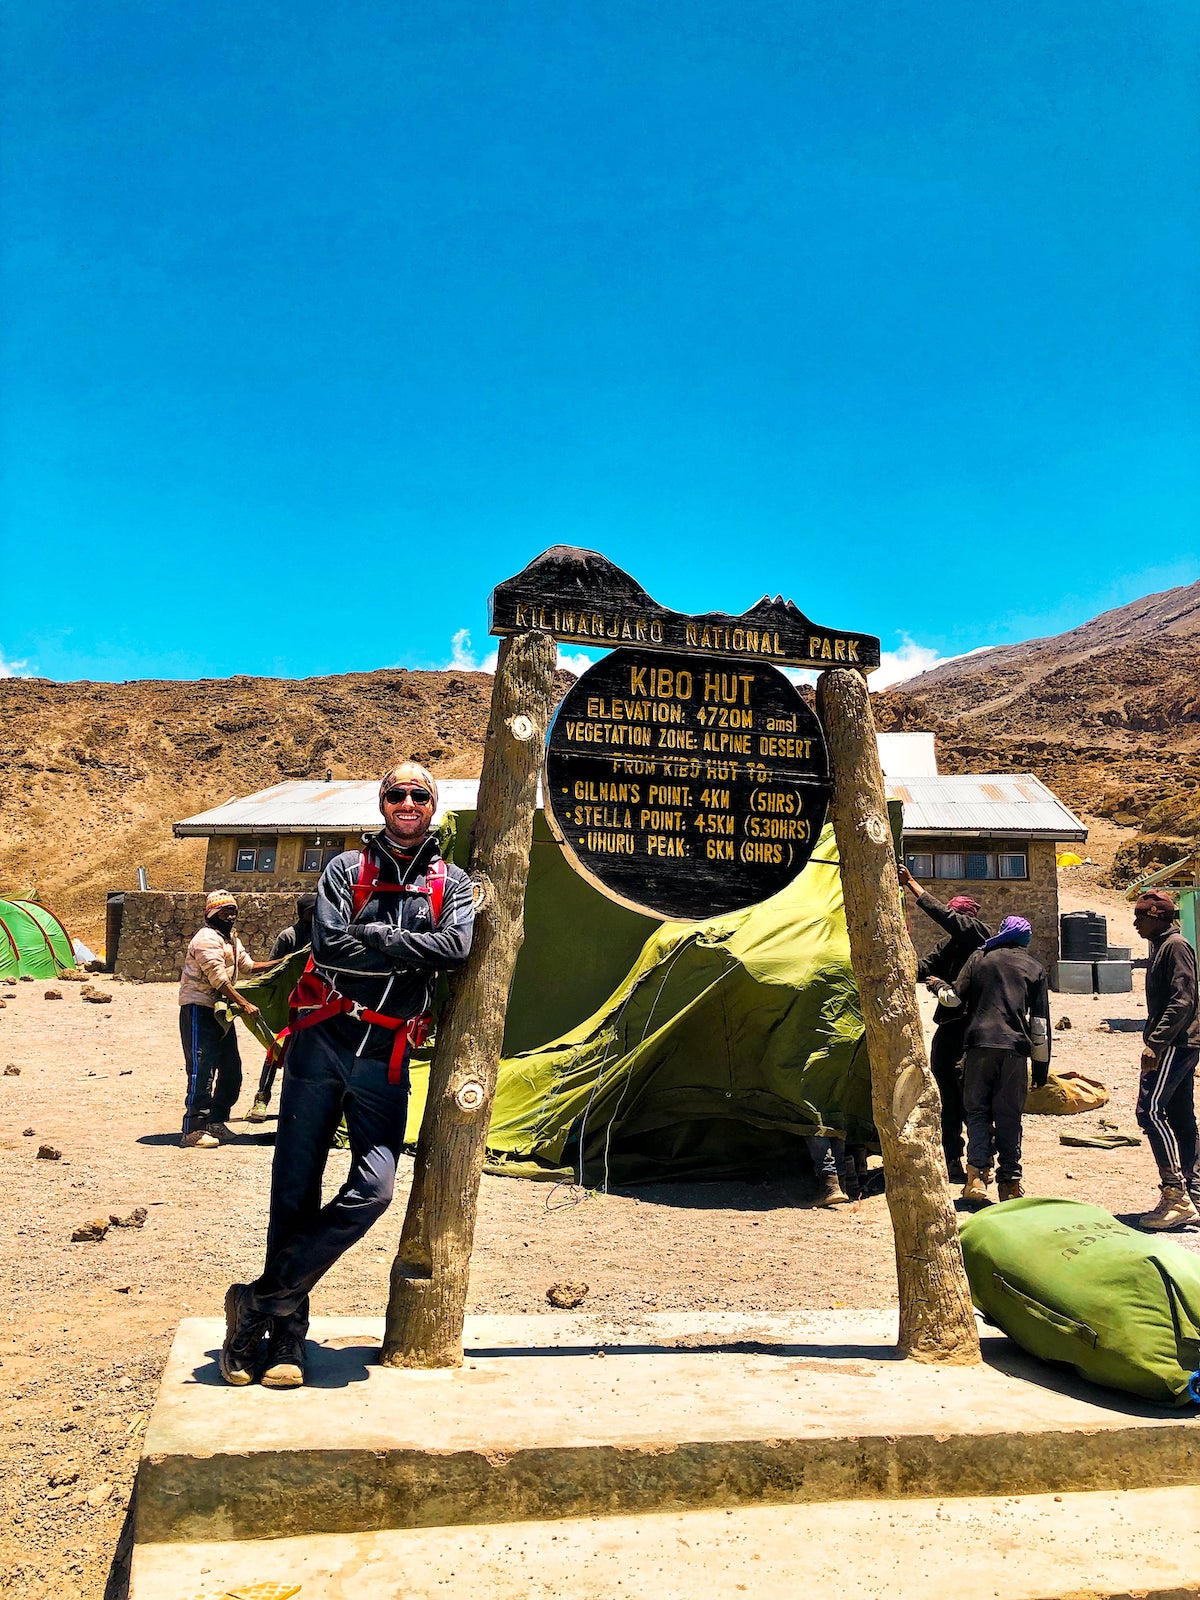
(1006, 996)
(377, 948)
(1166, 1109)
(299, 934)
(964, 934)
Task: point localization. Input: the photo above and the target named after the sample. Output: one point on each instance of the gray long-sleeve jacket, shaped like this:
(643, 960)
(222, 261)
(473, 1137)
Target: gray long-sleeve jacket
(388, 957)
(1172, 1008)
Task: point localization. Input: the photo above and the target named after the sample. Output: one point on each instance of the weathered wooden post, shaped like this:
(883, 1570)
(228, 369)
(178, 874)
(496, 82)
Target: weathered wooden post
(430, 1273)
(937, 1323)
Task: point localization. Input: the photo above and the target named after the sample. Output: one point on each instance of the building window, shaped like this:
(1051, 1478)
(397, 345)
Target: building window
(315, 856)
(254, 857)
(1013, 865)
(921, 866)
(976, 864)
(949, 865)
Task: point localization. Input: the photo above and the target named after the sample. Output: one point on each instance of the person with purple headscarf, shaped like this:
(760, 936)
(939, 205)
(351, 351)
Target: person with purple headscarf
(1005, 994)
(965, 932)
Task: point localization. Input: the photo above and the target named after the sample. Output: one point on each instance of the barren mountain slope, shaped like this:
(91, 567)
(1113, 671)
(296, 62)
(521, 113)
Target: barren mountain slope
(92, 775)
(1108, 714)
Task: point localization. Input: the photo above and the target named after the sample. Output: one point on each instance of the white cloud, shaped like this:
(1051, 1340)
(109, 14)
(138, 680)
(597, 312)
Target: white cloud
(13, 669)
(464, 659)
(577, 661)
(898, 666)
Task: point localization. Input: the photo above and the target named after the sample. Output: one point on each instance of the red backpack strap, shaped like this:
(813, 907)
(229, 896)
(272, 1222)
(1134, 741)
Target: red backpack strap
(436, 879)
(364, 883)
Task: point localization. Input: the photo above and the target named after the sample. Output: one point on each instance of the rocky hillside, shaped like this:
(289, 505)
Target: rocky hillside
(1107, 714)
(92, 775)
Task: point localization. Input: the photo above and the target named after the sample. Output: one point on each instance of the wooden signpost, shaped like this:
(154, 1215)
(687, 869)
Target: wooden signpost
(685, 776)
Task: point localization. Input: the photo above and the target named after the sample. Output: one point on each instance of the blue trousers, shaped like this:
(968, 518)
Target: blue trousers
(322, 1081)
(214, 1067)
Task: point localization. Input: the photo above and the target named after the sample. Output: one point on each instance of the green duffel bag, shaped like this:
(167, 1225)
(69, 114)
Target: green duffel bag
(1068, 1282)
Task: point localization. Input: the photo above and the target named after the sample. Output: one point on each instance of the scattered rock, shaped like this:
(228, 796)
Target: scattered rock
(63, 1477)
(125, 1072)
(28, 1133)
(135, 1219)
(90, 1232)
(11, 981)
(122, 1288)
(25, 978)
(98, 997)
(53, 994)
(1062, 1024)
(12, 1072)
(3, 1005)
(72, 977)
(47, 1152)
(566, 1296)
(98, 1495)
(1065, 1174)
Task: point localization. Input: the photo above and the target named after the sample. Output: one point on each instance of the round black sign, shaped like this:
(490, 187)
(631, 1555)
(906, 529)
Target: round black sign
(686, 786)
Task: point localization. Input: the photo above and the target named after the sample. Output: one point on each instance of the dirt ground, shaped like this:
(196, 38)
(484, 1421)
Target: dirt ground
(89, 1324)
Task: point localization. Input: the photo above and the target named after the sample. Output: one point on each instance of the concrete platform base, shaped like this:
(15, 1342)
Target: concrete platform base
(1080, 1545)
(570, 1416)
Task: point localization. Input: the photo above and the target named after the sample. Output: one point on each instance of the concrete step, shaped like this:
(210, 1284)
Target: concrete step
(1035, 1547)
(573, 1416)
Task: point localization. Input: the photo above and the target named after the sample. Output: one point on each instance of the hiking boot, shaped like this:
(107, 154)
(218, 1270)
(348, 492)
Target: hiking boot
(975, 1188)
(1011, 1189)
(258, 1111)
(831, 1192)
(1174, 1210)
(285, 1360)
(955, 1171)
(244, 1330)
(221, 1132)
(199, 1139)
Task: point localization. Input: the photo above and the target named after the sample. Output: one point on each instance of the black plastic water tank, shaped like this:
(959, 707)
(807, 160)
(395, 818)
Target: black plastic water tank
(1083, 936)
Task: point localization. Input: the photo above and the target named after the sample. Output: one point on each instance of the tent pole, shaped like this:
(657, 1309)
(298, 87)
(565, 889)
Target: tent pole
(937, 1323)
(429, 1278)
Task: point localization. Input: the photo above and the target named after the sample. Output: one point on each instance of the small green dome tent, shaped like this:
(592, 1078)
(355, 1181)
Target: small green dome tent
(33, 942)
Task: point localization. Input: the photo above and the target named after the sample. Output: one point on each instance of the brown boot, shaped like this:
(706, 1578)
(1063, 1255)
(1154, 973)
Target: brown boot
(831, 1192)
(975, 1188)
(1174, 1210)
(1013, 1190)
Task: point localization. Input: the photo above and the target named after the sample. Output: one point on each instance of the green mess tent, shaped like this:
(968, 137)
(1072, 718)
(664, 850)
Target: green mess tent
(33, 942)
(711, 1050)
(724, 1045)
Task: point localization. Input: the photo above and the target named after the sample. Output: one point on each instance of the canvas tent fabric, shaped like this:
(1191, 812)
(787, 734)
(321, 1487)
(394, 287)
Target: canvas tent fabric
(725, 1045)
(33, 942)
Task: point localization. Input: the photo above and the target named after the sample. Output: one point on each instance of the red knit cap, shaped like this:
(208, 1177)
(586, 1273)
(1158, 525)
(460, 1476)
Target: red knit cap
(1156, 903)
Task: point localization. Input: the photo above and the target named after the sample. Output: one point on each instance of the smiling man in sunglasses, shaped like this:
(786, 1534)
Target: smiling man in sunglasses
(388, 919)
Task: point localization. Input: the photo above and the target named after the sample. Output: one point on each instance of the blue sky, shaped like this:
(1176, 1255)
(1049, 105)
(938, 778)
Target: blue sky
(321, 320)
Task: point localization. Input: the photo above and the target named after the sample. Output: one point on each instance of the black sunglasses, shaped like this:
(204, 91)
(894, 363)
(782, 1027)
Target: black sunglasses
(419, 796)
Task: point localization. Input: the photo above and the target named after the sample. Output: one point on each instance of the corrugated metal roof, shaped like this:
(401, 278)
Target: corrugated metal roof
(996, 803)
(304, 807)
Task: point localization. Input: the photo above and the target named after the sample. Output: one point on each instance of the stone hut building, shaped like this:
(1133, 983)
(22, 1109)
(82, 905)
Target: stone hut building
(995, 837)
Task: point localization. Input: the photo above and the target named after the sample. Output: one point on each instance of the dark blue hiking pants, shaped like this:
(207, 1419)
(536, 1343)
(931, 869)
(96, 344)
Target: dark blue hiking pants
(214, 1067)
(322, 1082)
